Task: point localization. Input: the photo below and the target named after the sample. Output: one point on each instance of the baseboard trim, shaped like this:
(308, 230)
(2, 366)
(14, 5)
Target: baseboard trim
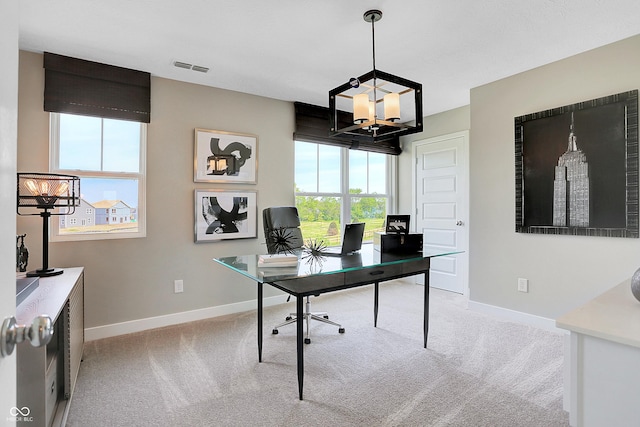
(516, 316)
(139, 325)
(115, 329)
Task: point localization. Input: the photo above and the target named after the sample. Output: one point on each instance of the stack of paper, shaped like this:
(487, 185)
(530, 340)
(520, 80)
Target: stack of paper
(277, 260)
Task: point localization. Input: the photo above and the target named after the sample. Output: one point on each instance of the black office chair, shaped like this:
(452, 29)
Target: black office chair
(282, 234)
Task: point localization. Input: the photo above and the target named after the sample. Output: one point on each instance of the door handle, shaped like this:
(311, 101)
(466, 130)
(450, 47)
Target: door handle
(39, 333)
(459, 223)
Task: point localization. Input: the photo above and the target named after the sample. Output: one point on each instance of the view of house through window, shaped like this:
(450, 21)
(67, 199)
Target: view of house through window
(335, 186)
(108, 156)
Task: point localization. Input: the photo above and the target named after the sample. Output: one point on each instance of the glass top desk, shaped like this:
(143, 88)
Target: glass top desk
(318, 275)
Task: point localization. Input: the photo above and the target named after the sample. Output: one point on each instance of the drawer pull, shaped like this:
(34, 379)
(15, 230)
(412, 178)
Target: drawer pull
(376, 273)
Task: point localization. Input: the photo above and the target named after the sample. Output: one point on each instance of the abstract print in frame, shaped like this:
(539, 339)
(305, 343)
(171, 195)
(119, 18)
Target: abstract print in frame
(577, 168)
(225, 157)
(225, 215)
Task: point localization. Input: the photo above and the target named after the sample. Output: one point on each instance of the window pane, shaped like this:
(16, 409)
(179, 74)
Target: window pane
(377, 173)
(320, 218)
(121, 146)
(358, 172)
(107, 205)
(80, 142)
(370, 210)
(306, 165)
(329, 165)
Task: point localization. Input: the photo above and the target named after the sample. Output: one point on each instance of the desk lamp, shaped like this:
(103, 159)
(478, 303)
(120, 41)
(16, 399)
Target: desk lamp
(40, 194)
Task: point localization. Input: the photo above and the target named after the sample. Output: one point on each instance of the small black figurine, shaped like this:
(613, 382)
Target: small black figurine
(22, 253)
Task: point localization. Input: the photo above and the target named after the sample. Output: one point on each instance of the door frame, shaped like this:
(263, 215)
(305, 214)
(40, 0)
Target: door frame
(9, 51)
(465, 210)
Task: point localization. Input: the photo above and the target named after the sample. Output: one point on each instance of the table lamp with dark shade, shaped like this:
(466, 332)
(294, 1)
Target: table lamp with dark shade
(47, 194)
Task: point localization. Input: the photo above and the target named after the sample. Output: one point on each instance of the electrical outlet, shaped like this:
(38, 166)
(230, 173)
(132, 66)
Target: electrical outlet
(178, 286)
(523, 285)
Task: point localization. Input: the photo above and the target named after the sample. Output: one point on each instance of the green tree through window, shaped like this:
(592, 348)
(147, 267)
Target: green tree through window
(328, 193)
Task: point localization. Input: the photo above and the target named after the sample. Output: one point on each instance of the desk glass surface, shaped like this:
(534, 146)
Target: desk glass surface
(247, 265)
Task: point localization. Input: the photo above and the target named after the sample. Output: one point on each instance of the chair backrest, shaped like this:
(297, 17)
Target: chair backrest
(281, 228)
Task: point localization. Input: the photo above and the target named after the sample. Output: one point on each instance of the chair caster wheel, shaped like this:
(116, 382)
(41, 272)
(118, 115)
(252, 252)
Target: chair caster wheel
(274, 332)
(288, 318)
(325, 316)
(341, 330)
(307, 340)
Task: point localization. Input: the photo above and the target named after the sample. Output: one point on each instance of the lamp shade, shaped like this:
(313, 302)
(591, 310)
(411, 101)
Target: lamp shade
(392, 107)
(47, 191)
(361, 108)
(47, 194)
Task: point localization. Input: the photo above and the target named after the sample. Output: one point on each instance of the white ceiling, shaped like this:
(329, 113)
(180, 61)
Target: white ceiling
(297, 50)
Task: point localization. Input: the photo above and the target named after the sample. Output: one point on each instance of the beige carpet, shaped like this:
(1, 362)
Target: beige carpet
(476, 371)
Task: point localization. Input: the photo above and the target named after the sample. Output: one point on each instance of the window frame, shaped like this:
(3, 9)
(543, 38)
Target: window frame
(54, 161)
(344, 195)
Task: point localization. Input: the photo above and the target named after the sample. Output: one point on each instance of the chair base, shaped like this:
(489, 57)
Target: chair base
(308, 317)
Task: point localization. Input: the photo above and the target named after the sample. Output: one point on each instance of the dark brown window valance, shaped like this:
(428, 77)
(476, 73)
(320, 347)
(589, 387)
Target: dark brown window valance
(77, 86)
(312, 125)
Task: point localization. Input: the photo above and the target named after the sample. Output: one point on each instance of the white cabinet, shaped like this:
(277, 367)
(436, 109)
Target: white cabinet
(46, 375)
(603, 360)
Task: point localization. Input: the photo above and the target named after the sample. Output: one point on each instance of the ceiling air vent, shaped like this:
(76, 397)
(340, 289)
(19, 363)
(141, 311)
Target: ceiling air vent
(182, 65)
(199, 68)
(187, 66)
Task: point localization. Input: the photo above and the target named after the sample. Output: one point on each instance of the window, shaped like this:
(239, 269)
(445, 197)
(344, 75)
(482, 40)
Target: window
(335, 186)
(109, 157)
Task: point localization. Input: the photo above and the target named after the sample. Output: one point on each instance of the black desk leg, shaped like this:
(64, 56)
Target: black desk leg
(260, 322)
(375, 304)
(426, 307)
(300, 349)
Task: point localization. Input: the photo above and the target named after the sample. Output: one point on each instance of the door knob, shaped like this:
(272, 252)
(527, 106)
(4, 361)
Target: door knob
(459, 223)
(39, 333)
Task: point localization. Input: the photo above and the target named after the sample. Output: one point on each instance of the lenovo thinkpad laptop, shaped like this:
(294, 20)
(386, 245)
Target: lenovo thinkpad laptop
(351, 242)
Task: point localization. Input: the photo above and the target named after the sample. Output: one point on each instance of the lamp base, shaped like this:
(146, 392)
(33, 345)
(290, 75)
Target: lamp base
(45, 273)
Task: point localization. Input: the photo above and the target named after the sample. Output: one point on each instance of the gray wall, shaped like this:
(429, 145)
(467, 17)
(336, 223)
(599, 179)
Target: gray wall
(563, 271)
(451, 121)
(131, 279)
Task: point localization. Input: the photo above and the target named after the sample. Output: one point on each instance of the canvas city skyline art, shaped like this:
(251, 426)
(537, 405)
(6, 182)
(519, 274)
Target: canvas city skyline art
(577, 168)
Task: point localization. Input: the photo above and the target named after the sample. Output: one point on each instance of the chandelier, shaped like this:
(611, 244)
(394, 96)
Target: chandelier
(376, 105)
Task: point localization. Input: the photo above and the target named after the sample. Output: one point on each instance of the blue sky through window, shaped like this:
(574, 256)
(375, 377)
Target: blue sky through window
(92, 144)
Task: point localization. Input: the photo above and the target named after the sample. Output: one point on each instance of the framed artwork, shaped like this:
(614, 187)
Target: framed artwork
(577, 168)
(225, 157)
(398, 224)
(225, 215)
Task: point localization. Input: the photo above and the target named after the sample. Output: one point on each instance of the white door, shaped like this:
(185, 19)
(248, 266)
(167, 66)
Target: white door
(441, 198)
(8, 156)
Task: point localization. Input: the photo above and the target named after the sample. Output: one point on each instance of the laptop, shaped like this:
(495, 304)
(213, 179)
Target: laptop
(351, 241)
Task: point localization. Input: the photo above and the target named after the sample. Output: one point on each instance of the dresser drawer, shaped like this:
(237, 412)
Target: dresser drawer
(415, 267)
(373, 274)
(51, 389)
